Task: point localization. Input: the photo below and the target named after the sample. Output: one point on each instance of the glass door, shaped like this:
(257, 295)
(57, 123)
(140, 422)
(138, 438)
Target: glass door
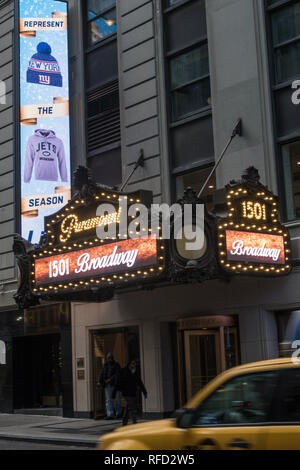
(203, 359)
(231, 347)
(98, 363)
(103, 343)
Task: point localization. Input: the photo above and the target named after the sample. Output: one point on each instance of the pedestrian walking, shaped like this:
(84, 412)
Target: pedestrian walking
(108, 379)
(130, 383)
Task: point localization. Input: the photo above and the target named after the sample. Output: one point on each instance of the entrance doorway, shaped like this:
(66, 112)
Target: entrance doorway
(124, 345)
(37, 372)
(209, 346)
(203, 362)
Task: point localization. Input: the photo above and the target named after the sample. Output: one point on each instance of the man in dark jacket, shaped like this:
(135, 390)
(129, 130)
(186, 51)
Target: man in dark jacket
(108, 378)
(129, 384)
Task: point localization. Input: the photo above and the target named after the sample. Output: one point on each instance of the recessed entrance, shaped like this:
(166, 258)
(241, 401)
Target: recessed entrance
(37, 372)
(209, 346)
(203, 361)
(124, 344)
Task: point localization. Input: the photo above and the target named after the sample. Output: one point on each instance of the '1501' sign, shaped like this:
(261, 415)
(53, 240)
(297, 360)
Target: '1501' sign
(251, 239)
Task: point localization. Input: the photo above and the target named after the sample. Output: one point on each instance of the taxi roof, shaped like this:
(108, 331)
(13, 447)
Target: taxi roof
(283, 361)
(244, 368)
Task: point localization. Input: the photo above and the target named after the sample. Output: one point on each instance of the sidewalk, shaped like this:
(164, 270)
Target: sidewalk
(55, 429)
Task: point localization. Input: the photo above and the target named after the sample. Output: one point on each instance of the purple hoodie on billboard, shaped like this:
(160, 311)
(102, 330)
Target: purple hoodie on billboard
(46, 153)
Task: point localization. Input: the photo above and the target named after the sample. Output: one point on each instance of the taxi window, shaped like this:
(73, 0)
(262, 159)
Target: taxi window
(288, 404)
(243, 400)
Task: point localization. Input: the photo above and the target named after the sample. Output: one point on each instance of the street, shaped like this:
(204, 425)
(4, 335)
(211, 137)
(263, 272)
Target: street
(6, 444)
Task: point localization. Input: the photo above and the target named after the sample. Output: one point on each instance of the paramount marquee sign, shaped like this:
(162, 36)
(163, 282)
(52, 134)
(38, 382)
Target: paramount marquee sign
(251, 239)
(73, 262)
(80, 256)
(73, 256)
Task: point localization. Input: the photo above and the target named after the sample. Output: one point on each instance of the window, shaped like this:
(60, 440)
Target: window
(286, 41)
(291, 172)
(195, 180)
(103, 123)
(98, 6)
(101, 17)
(188, 93)
(283, 27)
(288, 326)
(2, 353)
(190, 83)
(288, 408)
(104, 134)
(102, 93)
(243, 400)
(170, 3)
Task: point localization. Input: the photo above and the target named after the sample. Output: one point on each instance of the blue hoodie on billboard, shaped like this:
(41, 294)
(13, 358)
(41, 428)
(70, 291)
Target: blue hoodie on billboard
(43, 68)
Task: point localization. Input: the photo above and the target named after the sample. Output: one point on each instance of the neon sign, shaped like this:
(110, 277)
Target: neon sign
(72, 258)
(71, 224)
(113, 261)
(254, 210)
(256, 247)
(251, 240)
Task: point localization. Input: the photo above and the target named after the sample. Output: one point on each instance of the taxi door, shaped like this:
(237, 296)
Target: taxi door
(226, 438)
(284, 432)
(236, 415)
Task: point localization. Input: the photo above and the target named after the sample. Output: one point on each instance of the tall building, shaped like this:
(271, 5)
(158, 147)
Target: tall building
(170, 79)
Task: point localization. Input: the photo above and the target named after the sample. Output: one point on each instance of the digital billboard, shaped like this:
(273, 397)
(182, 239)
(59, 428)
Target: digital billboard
(45, 171)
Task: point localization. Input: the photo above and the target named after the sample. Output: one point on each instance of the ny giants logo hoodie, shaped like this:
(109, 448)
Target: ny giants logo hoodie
(45, 152)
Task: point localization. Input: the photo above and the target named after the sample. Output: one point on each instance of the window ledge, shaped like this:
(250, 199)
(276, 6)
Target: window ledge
(191, 167)
(176, 5)
(286, 83)
(102, 43)
(106, 148)
(207, 111)
(292, 224)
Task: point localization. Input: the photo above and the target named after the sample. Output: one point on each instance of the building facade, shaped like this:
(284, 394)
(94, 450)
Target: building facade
(170, 79)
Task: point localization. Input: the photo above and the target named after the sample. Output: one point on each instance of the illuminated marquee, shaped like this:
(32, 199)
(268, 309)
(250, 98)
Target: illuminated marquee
(251, 240)
(71, 224)
(255, 247)
(113, 261)
(72, 258)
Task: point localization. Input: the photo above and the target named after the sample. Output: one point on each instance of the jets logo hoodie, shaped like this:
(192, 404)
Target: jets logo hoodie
(45, 153)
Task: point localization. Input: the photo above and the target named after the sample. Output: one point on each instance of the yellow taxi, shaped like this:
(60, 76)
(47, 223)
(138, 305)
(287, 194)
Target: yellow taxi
(253, 406)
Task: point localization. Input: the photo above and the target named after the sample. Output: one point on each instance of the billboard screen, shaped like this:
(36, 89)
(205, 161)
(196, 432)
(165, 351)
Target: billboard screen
(44, 113)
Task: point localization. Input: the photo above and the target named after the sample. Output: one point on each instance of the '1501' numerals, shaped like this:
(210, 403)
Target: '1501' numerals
(254, 210)
(59, 268)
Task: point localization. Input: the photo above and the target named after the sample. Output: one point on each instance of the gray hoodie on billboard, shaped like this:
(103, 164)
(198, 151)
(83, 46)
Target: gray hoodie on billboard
(46, 153)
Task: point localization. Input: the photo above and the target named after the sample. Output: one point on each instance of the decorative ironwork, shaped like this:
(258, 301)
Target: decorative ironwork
(24, 296)
(182, 270)
(84, 184)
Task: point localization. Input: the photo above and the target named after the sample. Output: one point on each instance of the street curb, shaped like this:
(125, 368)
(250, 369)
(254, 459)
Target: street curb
(50, 440)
